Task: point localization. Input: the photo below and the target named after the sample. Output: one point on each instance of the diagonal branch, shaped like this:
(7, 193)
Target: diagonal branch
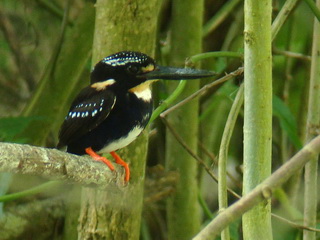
(204, 90)
(194, 155)
(58, 165)
(261, 192)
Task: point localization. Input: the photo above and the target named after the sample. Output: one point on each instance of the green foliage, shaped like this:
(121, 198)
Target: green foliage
(12, 127)
(59, 63)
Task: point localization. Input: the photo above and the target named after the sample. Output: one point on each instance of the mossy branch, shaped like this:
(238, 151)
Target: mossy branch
(58, 165)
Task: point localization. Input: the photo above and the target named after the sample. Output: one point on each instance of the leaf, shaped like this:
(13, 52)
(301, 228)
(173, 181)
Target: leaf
(287, 121)
(11, 127)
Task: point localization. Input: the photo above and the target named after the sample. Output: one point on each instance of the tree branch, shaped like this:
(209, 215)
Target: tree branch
(261, 192)
(55, 164)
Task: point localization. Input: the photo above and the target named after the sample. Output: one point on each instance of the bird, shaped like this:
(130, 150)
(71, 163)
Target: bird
(115, 108)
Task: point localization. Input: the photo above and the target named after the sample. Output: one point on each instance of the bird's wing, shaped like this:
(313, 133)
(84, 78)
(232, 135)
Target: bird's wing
(87, 111)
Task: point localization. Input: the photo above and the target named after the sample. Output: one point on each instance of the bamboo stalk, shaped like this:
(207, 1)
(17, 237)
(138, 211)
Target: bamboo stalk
(182, 208)
(257, 113)
(261, 192)
(313, 121)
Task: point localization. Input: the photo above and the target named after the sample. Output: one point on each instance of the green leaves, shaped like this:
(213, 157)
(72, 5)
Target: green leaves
(12, 127)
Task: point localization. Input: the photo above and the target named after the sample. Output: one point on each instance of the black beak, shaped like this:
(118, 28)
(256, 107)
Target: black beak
(172, 73)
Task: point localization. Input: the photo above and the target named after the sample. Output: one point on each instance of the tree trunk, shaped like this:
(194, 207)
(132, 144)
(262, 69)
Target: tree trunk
(120, 25)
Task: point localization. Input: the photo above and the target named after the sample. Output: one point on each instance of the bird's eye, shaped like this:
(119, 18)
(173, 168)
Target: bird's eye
(133, 69)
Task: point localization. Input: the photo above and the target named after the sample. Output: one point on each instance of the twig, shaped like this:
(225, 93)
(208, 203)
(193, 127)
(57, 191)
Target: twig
(261, 192)
(226, 10)
(58, 165)
(316, 11)
(223, 155)
(282, 17)
(203, 90)
(164, 105)
(201, 56)
(195, 156)
(293, 224)
(214, 160)
(292, 54)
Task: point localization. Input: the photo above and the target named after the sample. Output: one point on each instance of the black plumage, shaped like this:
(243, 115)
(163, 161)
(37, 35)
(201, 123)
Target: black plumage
(114, 109)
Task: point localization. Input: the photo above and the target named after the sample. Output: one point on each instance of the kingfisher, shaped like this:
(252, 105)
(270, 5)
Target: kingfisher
(115, 108)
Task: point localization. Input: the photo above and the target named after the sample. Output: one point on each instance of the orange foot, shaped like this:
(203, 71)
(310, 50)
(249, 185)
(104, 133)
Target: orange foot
(122, 163)
(117, 158)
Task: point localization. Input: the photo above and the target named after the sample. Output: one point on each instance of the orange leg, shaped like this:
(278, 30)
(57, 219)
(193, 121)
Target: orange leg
(122, 163)
(97, 157)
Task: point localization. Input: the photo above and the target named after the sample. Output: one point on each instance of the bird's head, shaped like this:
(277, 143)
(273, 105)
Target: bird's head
(129, 69)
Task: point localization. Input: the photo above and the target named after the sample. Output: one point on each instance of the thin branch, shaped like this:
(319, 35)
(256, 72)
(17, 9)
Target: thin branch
(292, 54)
(195, 156)
(58, 165)
(201, 56)
(262, 192)
(223, 155)
(226, 10)
(282, 17)
(312, 5)
(203, 90)
(293, 224)
(164, 105)
(214, 161)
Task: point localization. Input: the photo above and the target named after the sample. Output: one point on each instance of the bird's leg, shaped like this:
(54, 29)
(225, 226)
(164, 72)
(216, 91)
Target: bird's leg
(97, 157)
(119, 161)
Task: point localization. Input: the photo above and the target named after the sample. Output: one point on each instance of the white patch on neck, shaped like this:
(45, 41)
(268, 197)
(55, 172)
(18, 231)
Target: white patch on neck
(122, 142)
(145, 95)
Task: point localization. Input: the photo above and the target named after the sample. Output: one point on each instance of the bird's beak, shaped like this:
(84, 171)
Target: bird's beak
(172, 73)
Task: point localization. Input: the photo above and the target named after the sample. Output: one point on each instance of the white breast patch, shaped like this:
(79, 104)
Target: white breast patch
(145, 95)
(122, 142)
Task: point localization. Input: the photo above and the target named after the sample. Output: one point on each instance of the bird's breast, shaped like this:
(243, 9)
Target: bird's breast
(123, 141)
(127, 120)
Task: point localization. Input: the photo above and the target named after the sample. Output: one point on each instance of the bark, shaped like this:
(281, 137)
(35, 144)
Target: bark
(120, 25)
(58, 165)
